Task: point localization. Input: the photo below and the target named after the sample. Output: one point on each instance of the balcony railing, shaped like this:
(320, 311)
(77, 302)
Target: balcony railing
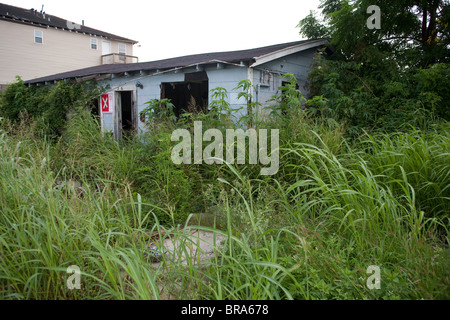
(116, 58)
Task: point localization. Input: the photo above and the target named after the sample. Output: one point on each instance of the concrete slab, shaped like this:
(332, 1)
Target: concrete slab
(191, 247)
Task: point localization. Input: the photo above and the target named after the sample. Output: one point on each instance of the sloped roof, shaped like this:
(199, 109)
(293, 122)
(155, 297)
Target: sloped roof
(231, 57)
(33, 17)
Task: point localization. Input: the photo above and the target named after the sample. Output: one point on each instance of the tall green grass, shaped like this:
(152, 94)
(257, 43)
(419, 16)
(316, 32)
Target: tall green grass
(309, 233)
(46, 228)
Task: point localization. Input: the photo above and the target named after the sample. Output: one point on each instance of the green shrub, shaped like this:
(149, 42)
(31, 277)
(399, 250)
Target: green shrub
(48, 104)
(379, 96)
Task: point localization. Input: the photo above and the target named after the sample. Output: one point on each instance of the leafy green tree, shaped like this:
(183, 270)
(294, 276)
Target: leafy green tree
(420, 28)
(312, 27)
(384, 78)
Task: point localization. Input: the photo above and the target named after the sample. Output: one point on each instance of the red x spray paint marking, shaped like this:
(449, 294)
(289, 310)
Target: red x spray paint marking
(105, 103)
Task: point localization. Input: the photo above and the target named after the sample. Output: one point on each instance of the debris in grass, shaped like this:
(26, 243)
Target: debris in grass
(188, 246)
(156, 254)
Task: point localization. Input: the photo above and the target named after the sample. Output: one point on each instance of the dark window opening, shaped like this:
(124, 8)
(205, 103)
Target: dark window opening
(285, 83)
(283, 88)
(189, 96)
(95, 109)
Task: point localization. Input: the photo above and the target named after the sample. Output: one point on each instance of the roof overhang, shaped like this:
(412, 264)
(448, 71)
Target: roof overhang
(288, 51)
(41, 20)
(244, 59)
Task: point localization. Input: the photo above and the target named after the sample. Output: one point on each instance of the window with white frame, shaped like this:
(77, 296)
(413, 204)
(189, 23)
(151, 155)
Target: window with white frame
(38, 36)
(94, 44)
(122, 48)
(122, 51)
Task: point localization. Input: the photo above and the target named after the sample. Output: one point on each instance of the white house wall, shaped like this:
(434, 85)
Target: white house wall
(60, 51)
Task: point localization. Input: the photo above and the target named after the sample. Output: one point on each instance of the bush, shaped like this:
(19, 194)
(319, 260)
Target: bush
(48, 104)
(378, 95)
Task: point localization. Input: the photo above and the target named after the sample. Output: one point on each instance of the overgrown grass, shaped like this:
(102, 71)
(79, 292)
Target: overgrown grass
(310, 232)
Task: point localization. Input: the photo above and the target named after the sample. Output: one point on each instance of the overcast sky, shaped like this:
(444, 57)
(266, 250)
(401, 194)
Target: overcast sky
(170, 28)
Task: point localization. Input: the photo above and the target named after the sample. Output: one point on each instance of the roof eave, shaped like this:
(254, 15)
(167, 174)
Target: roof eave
(288, 51)
(43, 24)
(102, 75)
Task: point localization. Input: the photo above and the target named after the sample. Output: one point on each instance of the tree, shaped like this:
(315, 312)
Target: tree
(312, 28)
(382, 78)
(414, 31)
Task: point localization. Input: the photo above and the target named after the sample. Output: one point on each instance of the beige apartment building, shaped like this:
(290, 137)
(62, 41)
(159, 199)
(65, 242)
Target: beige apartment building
(34, 44)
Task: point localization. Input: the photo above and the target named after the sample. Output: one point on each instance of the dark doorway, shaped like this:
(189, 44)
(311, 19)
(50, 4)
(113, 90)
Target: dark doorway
(95, 108)
(127, 111)
(283, 88)
(126, 116)
(188, 96)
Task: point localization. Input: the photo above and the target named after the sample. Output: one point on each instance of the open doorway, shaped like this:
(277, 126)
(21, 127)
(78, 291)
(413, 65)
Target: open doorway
(95, 108)
(126, 124)
(188, 96)
(126, 104)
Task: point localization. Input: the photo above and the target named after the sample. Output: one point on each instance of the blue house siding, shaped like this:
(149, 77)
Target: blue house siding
(264, 67)
(268, 77)
(226, 77)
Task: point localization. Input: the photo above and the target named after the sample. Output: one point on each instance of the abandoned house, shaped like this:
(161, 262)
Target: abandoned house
(191, 78)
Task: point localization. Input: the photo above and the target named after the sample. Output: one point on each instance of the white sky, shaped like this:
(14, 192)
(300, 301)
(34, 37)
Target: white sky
(170, 28)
